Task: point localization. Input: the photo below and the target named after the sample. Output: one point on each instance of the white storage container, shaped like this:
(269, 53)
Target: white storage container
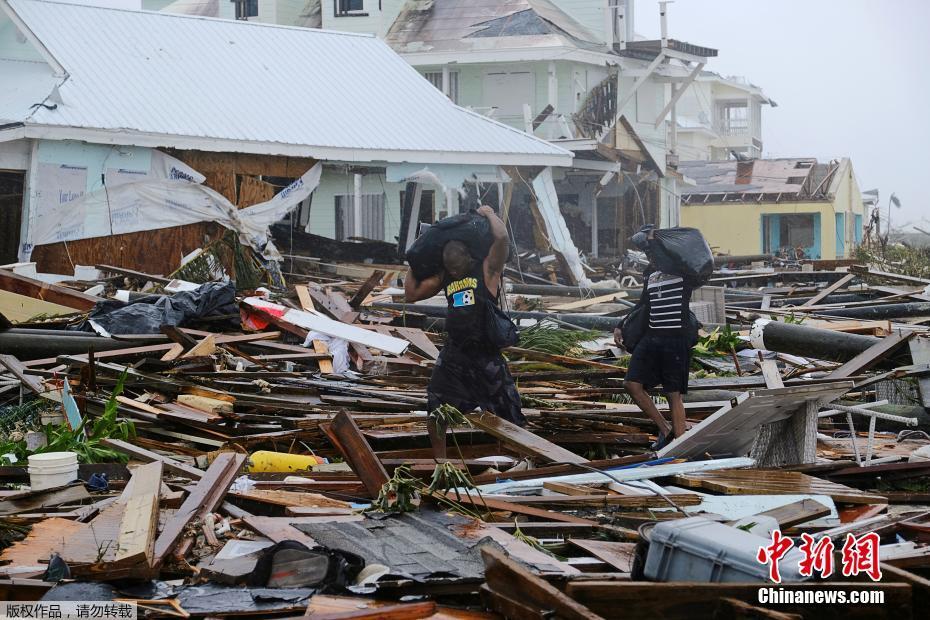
(697, 549)
(52, 469)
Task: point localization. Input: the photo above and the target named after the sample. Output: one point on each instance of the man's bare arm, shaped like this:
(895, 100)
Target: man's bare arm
(500, 247)
(415, 290)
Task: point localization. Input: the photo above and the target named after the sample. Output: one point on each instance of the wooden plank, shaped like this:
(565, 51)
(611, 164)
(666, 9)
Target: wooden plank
(18, 370)
(206, 497)
(21, 285)
(204, 348)
(775, 482)
(367, 287)
(568, 502)
(325, 364)
(143, 351)
(176, 351)
(211, 406)
(829, 290)
(31, 554)
(498, 505)
(303, 296)
(278, 529)
(590, 301)
(872, 356)
(290, 498)
(797, 512)
(680, 601)
(733, 429)
(770, 374)
(358, 453)
(617, 554)
(37, 501)
(522, 440)
(136, 275)
(140, 519)
(735, 609)
(572, 489)
(505, 576)
(420, 340)
(300, 323)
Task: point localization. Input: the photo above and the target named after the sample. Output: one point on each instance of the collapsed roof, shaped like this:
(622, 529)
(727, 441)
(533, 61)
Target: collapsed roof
(756, 180)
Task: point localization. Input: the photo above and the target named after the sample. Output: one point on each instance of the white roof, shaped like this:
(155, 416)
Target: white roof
(157, 79)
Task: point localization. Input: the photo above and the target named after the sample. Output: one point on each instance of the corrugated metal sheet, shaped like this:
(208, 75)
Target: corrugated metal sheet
(332, 95)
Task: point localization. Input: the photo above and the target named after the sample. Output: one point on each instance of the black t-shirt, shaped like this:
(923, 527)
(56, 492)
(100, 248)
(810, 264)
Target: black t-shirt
(466, 298)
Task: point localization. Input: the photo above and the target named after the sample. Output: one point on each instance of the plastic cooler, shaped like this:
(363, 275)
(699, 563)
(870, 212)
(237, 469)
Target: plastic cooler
(697, 549)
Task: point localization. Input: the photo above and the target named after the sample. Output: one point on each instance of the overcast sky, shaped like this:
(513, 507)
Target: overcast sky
(849, 78)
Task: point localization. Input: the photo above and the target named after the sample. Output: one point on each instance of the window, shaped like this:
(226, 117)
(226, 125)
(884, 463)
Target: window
(435, 78)
(349, 7)
(246, 9)
(733, 118)
(372, 224)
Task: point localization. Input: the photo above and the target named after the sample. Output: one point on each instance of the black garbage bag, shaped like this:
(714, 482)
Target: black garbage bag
(425, 254)
(682, 251)
(148, 314)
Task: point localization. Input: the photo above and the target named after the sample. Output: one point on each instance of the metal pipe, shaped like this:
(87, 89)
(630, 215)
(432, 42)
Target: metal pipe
(780, 302)
(805, 341)
(30, 344)
(838, 409)
(587, 321)
(881, 312)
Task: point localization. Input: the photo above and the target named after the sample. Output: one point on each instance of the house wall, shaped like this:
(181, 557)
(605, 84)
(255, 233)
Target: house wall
(736, 228)
(592, 14)
(380, 14)
(14, 46)
(321, 218)
(476, 90)
(14, 155)
(847, 205)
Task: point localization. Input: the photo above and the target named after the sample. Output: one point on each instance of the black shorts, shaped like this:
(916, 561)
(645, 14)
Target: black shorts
(470, 380)
(661, 360)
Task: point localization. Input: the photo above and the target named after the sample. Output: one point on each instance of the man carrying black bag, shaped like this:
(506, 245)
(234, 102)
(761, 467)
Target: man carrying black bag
(471, 373)
(660, 337)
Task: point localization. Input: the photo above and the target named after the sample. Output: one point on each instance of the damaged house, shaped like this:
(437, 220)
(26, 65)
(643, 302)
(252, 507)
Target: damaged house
(570, 71)
(801, 208)
(135, 138)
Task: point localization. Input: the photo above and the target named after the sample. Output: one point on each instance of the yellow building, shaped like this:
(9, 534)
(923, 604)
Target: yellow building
(774, 206)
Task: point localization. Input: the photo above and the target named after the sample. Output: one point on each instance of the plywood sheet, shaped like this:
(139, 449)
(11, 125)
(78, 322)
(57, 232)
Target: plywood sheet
(732, 429)
(775, 482)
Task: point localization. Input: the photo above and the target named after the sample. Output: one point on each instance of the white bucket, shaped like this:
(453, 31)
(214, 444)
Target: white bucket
(52, 469)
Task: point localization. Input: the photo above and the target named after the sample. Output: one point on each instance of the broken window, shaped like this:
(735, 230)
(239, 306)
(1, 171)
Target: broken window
(784, 234)
(435, 78)
(372, 217)
(733, 118)
(348, 7)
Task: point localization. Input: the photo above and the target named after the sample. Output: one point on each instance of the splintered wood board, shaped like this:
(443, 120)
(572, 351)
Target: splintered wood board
(775, 482)
(522, 440)
(732, 429)
(590, 301)
(45, 537)
(617, 554)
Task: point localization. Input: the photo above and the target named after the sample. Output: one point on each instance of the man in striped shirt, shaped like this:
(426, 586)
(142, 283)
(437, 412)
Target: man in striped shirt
(663, 355)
